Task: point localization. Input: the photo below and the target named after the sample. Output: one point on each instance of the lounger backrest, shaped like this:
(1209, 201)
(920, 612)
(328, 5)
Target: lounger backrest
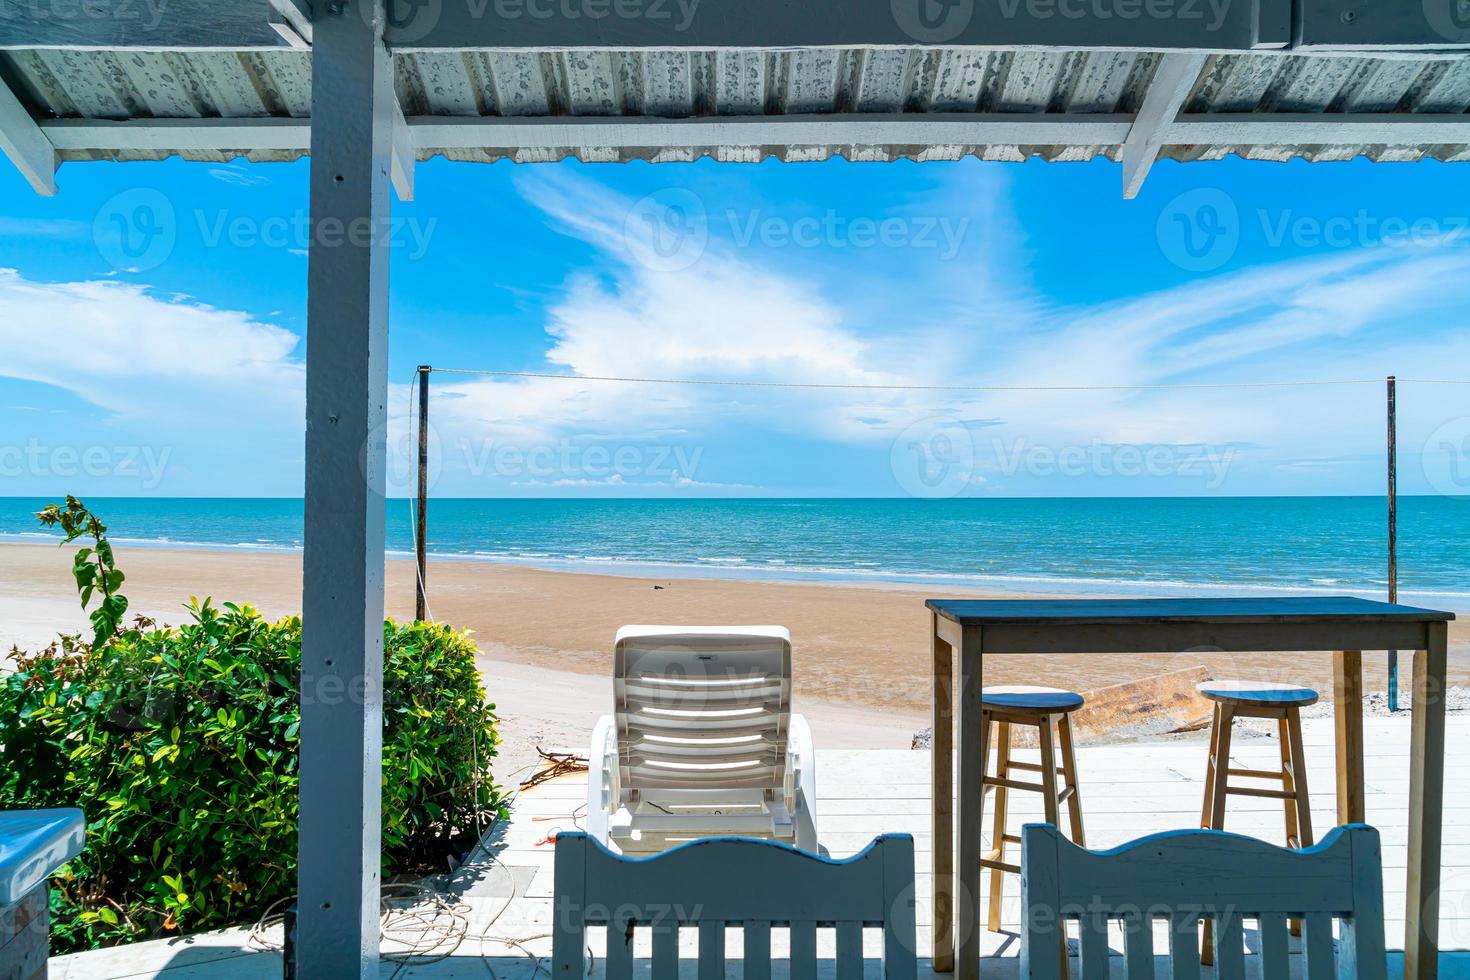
(1180, 877)
(702, 707)
(730, 882)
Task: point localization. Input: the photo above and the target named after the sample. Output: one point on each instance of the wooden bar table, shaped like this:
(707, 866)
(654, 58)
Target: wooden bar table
(967, 630)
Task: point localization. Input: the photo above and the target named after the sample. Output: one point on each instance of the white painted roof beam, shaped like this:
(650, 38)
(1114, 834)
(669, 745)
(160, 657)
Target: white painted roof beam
(1172, 82)
(867, 129)
(403, 156)
(27, 147)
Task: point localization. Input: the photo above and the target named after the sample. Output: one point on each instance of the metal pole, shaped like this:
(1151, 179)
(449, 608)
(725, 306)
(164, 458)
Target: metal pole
(421, 518)
(1393, 534)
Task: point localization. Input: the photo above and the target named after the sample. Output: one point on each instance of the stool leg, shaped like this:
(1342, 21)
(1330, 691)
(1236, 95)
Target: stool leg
(1069, 771)
(998, 839)
(985, 741)
(1288, 782)
(1299, 778)
(1222, 768)
(1207, 810)
(1049, 804)
(1224, 719)
(1294, 781)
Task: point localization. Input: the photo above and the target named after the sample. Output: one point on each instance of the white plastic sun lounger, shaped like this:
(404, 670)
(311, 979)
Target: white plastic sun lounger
(702, 741)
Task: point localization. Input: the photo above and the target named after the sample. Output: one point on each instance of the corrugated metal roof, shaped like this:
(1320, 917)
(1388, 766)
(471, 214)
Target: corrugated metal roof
(131, 84)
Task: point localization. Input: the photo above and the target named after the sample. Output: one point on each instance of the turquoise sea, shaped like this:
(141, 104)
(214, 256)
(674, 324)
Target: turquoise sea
(1157, 546)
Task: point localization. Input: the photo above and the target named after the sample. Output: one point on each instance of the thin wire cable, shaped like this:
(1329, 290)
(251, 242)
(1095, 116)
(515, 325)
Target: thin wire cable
(715, 382)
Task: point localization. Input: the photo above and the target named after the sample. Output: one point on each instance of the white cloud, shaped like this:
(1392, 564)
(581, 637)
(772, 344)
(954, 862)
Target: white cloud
(238, 177)
(138, 356)
(728, 315)
(799, 317)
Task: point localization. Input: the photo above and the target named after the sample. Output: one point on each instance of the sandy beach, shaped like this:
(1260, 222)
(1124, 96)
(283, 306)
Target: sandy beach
(545, 636)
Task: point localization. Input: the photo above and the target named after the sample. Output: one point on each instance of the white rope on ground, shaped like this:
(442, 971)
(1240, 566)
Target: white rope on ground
(428, 917)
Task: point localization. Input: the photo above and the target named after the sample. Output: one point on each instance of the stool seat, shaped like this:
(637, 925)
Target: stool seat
(1257, 693)
(1048, 710)
(1257, 699)
(1028, 699)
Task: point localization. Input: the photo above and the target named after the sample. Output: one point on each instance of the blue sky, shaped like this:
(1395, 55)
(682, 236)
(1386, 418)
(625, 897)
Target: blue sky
(152, 319)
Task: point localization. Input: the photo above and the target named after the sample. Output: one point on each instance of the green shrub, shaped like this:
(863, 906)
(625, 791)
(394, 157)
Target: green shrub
(181, 746)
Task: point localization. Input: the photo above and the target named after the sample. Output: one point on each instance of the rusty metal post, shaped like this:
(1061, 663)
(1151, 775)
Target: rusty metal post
(1393, 532)
(421, 517)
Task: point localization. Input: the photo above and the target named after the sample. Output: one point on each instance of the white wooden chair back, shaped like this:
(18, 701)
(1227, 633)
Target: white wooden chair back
(1184, 876)
(711, 885)
(702, 708)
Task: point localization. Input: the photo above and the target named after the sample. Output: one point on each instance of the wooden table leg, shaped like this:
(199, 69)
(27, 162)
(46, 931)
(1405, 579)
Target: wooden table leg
(971, 805)
(942, 828)
(1426, 808)
(1347, 709)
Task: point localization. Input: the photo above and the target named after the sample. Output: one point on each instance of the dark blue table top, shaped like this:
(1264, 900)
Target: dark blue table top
(1275, 609)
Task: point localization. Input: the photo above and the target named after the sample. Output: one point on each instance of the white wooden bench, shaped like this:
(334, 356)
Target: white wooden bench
(713, 884)
(1186, 876)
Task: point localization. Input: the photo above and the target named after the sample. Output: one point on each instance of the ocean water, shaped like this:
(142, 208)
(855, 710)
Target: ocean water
(1153, 546)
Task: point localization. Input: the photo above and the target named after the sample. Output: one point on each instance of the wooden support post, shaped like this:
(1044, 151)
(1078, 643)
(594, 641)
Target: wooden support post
(1426, 807)
(1347, 710)
(421, 515)
(942, 750)
(1393, 531)
(346, 396)
(971, 804)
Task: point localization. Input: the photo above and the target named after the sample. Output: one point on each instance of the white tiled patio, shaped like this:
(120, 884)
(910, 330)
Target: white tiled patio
(1127, 791)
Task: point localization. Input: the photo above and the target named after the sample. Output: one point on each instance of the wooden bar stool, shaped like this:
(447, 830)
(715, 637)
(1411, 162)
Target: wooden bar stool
(1257, 699)
(1048, 710)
